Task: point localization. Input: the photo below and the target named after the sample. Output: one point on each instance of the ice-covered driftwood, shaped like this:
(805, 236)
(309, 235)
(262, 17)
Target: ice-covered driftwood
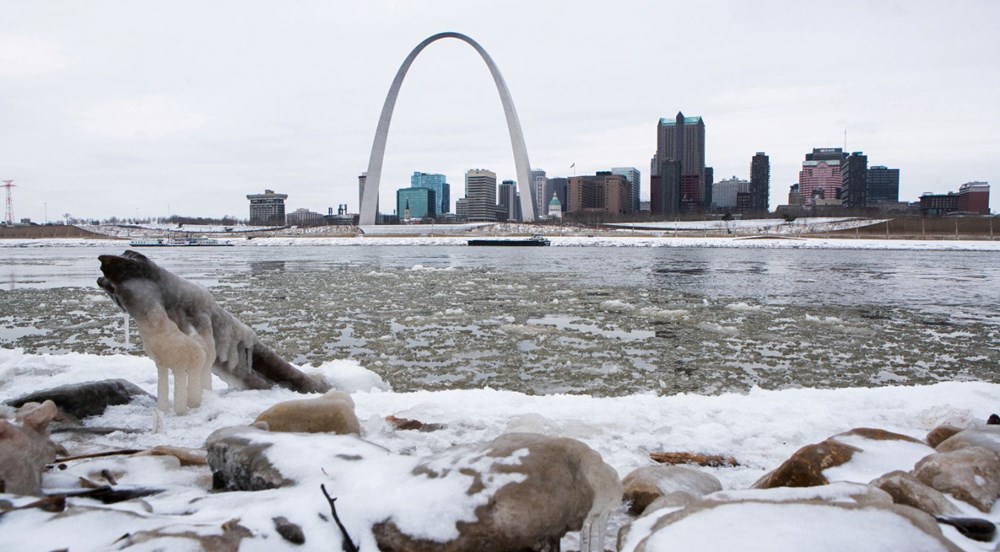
(186, 332)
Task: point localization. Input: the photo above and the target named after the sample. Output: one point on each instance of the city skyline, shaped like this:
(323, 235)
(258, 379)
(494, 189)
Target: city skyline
(149, 111)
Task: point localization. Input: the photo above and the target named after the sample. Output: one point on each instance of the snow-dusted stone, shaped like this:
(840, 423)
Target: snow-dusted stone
(86, 399)
(548, 487)
(909, 491)
(25, 448)
(986, 436)
(332, 412)
(970, 474)
(797, 525)
(939, 434)
(858, 455)
(644, 485)
(238, 461)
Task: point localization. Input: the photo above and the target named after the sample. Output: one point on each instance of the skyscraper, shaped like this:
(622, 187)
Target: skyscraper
(634, 179)
(760, 183)
(438, 183)
(507, 201)
(416, 203)
(883, 185)
(820, 175)
(481, 194)
(854, 181)
(682, 139)
(540, 191)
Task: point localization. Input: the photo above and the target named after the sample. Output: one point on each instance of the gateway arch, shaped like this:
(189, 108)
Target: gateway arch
(369, 196)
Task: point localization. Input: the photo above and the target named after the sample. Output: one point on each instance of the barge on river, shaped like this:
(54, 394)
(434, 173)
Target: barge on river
(533, 241)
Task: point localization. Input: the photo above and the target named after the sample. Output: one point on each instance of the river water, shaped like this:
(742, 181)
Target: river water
(598, 320)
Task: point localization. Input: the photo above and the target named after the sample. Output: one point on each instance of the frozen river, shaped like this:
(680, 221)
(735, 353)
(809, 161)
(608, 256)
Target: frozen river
(600, 320)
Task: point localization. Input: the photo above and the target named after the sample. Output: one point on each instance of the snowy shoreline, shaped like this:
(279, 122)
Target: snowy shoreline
(760, 429)
(755, 242)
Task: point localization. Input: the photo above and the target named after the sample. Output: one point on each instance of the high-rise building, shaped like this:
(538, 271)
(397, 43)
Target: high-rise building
(665, 189)
(267, 209)
(883, 185)
(438, 183)
(416, 203)
(760, 183)
(709, 180)
(539, 190)
(603, 193)
(682, 139)
(820, 175)
(724, 192)
(507, 202)
(974, 197)
(362, 178)
(932, 204)
(854, 181)
(481, 194)
(634, 178)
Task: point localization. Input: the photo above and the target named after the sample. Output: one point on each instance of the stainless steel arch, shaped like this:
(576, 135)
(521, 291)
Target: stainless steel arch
(369, 196)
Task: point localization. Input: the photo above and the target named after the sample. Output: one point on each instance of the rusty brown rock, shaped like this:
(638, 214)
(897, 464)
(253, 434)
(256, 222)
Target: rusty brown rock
(939, 434)
(708, 460)
(805, 467)
(413, 425)
(332, 412)
(646, 484)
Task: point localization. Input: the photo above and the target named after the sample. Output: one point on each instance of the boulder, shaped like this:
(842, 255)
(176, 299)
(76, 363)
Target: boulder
(238, 461)
(970, 474)
(858, 455)
(646, 484)
(796, 525)
(909, 491)
(986, 436)
(937, 435)
(332, 412)
(86, 399)
(544, 488)
(805, 467)
(25, 448)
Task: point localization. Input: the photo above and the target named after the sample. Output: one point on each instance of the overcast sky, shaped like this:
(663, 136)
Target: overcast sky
(127, 107)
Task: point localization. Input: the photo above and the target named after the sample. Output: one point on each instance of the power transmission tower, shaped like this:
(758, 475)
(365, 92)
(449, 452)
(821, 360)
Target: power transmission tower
(9, 214)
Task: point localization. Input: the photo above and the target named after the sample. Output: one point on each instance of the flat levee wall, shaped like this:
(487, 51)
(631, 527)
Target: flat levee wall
(932, 228)
(47, 232)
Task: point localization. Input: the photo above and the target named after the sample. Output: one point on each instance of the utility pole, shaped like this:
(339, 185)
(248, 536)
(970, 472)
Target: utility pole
(9, 213)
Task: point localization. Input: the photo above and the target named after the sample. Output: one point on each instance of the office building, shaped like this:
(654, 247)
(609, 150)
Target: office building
(305, 217)
(682, 139)
(507, 202)
(480, 195)
(854, 181)
(267, 209)
(820, 177)
(724, 192)
(602, 193)
(540, 191)
(883, 185)
(416, 204)
(634, 178)
(665, 189)
(938, 204)
(438, 183)
(760, 183)
(974, 197)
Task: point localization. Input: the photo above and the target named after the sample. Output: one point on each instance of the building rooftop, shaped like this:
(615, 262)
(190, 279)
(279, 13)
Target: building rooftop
(687, 121)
